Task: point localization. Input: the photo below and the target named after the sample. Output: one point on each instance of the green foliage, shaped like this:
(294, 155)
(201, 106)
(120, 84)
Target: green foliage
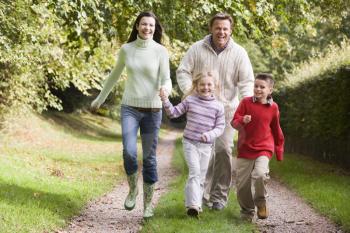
(47, 47)
(333, 57)
(315, 108)
(38, 57)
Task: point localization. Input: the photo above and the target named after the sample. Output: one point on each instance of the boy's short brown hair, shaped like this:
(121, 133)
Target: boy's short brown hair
(266, 77)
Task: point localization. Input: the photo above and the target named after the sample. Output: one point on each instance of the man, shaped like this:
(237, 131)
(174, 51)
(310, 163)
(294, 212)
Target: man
(218, 51)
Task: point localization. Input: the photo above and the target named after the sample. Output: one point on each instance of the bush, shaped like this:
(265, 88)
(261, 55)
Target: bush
(315, 109)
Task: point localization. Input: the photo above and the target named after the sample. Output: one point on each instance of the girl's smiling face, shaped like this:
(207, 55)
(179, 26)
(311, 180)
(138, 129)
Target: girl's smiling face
(205, 86)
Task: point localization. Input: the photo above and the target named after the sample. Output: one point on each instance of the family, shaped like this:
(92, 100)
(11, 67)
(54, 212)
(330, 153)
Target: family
(213, 74)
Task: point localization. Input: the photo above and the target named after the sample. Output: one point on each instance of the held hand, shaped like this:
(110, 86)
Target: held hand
(163, 94)
(247, 119)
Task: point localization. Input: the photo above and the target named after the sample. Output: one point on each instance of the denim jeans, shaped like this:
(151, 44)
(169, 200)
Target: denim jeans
(149, 123)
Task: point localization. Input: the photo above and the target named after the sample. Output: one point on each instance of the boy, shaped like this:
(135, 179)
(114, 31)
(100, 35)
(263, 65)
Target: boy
(259, 136)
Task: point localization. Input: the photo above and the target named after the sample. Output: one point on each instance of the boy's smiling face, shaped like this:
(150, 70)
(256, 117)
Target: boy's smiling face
(262, 89)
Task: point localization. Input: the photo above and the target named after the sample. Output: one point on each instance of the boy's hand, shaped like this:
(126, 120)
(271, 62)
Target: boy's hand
(247, 119)
(163, 94)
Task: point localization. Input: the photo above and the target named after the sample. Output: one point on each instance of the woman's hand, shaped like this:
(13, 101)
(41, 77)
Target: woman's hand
(163, 94)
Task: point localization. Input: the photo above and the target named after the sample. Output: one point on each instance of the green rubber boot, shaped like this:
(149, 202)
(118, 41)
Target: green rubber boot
(130, 200)
(148, 190)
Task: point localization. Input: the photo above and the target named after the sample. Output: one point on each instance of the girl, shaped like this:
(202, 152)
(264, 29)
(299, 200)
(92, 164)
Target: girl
(147, 68)
(205, 122)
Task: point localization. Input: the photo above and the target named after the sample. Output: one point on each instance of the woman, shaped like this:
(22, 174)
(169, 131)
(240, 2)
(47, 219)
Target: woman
(147, 67)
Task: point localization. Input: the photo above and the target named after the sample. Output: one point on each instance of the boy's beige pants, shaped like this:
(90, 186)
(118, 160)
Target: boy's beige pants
(252, 175)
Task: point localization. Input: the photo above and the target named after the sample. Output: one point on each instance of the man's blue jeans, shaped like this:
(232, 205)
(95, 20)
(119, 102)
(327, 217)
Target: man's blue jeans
(149, 124)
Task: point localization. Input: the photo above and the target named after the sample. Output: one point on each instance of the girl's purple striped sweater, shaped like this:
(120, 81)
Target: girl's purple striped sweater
(205, 115)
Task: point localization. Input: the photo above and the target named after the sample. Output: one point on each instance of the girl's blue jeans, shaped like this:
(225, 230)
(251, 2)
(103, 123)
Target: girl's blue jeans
(149, 123)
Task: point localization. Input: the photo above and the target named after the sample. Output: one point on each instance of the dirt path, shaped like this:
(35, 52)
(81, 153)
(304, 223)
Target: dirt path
(107, 214)
(289, 213)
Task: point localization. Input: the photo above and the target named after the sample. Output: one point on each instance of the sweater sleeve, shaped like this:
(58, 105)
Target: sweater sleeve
(112, 79)
(178, 110)
(246, 76)
(185, 70)
(219, 125)
(277, 136)
(237, 121)
(164, 72)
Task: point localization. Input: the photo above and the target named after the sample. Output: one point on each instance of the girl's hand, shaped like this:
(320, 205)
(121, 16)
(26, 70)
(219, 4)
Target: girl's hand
(204, 137)
(247, 119)
(163, 94)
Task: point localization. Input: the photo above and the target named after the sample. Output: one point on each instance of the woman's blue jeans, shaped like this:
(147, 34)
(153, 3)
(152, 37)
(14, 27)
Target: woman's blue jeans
(149, 124)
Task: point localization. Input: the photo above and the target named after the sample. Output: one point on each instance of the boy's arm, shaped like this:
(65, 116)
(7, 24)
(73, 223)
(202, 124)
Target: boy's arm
(219, 126)
(237, 121)
(277, 136)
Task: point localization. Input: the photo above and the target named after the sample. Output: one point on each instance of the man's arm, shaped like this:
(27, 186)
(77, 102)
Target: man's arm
(185, 70)
(246, 76)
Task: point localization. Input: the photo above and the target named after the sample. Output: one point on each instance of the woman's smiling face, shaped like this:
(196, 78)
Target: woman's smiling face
(146, 27)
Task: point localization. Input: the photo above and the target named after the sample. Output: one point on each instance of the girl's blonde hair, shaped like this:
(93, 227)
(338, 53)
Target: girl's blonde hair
(196, 78)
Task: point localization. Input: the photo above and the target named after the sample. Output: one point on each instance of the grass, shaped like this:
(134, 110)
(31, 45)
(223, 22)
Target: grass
(51, 166)
(170, 214)
(49, 171)
(324, 186)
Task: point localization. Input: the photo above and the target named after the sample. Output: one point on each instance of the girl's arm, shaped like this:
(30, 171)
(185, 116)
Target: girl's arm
(110, 81)
(277, 135)
(178, 110)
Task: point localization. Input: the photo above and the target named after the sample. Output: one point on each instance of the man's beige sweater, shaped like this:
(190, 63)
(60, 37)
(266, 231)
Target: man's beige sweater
(236, 77)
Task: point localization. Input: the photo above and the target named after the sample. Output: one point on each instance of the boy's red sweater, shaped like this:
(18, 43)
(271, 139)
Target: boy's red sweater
(263, 134)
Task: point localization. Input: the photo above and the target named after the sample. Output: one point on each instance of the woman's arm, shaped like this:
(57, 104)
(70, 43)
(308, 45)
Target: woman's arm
(110, 81)
(164, 72)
